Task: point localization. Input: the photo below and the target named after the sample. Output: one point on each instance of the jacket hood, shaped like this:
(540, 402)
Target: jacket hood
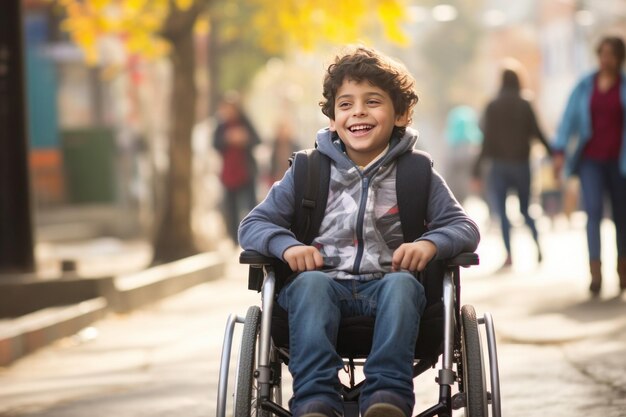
(330, 145)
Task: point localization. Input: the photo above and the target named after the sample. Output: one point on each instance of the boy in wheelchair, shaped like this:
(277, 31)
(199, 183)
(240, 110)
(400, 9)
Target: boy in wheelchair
(360, 261)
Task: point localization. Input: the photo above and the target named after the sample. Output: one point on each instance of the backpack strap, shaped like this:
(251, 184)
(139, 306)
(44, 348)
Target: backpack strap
(413, 176)
(311, 180)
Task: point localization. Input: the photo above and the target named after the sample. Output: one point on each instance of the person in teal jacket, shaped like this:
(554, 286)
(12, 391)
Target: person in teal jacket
(591, 143)
(463, 137)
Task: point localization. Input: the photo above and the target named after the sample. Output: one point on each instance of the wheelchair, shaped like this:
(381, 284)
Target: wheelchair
(449, 337)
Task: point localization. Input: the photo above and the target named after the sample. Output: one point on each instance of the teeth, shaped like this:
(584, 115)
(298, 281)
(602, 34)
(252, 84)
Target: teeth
(360, 127)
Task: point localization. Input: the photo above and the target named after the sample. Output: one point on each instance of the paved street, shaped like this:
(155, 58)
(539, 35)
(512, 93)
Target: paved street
(560, 353)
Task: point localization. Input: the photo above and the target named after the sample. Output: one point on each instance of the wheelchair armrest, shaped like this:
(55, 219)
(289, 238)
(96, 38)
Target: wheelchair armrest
(250, 257)
(464, 259)
(256, 261)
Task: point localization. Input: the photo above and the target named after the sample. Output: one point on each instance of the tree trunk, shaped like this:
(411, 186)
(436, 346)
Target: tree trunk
(214, 71)
(16, 228)
(174, 237)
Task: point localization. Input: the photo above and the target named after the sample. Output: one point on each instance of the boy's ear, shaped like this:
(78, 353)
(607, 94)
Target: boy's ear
(331, 124)
(402, 119)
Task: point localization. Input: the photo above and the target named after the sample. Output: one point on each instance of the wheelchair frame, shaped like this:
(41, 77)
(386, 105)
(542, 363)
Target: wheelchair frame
(461, 347)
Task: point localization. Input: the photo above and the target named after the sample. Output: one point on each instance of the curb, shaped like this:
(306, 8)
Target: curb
(23, 335)
(135, 290)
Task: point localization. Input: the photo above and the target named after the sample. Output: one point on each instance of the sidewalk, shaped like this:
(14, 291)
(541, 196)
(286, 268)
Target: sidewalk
(159, 360)
(549, 304)
(111, 275)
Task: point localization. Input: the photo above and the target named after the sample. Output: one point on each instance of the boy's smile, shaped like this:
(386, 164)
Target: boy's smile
(364, 120)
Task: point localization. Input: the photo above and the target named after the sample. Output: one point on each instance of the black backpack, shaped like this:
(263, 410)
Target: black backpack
(311, 180)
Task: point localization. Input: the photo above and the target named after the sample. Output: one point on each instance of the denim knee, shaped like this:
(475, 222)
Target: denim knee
(402, 286)
(310, 284)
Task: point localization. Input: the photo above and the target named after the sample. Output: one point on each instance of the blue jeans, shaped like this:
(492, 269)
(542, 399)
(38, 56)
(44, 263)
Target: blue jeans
(506, 176)
(597, 178)
(315, 303)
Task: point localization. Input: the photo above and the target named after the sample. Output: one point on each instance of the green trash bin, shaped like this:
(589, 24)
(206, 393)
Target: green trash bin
(88, 158)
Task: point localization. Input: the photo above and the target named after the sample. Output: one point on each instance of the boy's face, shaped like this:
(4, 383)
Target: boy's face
(364, 119)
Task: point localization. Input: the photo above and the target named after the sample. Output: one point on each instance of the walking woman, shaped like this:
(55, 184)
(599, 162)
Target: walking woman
(509, 125)
(594, 116)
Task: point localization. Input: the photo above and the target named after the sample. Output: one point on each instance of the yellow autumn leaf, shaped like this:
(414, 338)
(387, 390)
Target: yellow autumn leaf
(202, 26)
(98, 5)
(391, 14)
(133, 6)
(184, 4)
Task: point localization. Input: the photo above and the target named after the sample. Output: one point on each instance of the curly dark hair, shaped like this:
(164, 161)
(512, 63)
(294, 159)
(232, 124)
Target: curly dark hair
(361, 63)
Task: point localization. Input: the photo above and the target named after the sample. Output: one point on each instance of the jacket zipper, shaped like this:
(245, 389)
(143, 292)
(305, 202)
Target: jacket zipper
(359, 225)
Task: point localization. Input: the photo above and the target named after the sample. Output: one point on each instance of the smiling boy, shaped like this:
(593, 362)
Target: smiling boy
(368, 268)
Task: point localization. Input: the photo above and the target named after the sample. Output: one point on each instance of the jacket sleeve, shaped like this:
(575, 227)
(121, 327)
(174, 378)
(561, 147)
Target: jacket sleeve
(266, 228)
(219, 141)
(569, 121)
(449, 227)
(253, 139)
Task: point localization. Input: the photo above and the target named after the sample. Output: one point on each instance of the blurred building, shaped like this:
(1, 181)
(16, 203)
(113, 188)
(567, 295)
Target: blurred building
(95, 132)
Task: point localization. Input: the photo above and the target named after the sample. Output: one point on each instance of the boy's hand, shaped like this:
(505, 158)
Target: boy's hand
(413, 256)
(303, 258)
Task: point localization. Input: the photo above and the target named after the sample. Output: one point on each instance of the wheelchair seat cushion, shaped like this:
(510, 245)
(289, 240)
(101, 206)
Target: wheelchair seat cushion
(355, 333)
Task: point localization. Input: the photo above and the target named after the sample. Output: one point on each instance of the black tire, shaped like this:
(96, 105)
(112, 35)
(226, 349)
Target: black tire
(473, 378)
(246, 389)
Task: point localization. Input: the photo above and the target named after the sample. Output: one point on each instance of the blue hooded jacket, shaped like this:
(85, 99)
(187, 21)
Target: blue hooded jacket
(361, 226)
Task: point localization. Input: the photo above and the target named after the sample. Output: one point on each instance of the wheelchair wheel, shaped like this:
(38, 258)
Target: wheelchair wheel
(246, 389)
(473, 371)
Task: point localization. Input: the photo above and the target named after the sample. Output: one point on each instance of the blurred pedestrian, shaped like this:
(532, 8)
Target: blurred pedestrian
(463, 137)
(284, 145)
(509, 125)
(235, 138)
(594, 116)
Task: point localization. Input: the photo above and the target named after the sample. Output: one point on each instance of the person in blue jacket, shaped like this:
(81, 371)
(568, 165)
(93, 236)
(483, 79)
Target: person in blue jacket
(591, 143)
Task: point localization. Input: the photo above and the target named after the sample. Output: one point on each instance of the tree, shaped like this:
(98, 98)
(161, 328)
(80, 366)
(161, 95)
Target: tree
(174, 237)
(155, 27)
